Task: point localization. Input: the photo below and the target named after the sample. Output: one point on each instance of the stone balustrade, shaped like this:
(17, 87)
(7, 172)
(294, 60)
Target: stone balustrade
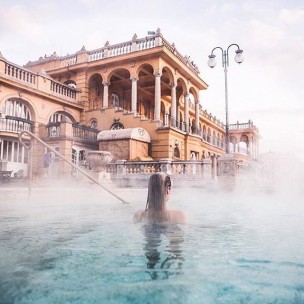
(134, 45)
(177, 169)
(212, 118)
(69, 60)
(40, 81)
(63, 90)
(208, 138)
(65, 129)
(18, 73)
(243, 126)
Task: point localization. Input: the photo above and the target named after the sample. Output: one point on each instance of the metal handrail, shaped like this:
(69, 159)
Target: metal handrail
(66, 160)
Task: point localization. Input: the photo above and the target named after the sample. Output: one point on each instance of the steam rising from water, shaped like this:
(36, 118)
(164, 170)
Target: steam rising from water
(245, 244)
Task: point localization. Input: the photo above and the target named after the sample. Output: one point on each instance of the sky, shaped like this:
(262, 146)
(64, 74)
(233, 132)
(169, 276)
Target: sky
(266, 88)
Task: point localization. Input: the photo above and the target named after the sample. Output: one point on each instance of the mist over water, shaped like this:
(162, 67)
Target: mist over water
(76, 243)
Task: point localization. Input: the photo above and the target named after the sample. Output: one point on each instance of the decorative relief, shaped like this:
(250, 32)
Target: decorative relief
(157, 74)
(134, 78)
(141, 131)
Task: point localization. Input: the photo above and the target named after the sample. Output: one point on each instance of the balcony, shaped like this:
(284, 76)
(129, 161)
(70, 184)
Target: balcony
(15, 124)
(84, 133)
(38, 81)
(170, 122)
(66, 130)
(108, 51)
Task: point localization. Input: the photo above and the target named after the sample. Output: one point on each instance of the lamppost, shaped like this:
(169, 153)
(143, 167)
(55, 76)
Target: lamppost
(239, 58)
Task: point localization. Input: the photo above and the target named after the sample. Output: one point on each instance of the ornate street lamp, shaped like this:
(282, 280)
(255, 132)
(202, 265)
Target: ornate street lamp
(239, 58)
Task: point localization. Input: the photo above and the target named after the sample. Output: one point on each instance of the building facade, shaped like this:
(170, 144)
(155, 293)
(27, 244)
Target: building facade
(142, 83)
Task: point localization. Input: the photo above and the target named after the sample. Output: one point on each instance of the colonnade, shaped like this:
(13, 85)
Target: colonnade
(247, 147)
(157, 101)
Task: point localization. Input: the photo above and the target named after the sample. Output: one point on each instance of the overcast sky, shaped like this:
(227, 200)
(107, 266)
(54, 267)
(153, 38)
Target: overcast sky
(266, 88)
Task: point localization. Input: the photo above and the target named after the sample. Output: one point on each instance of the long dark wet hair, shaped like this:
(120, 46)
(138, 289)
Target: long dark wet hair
(158, 185)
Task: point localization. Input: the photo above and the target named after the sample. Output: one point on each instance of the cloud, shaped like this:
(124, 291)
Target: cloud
(16, 20)
(292, 16)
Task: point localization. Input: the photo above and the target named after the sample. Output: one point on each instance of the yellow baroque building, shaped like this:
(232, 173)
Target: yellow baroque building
(143, 83)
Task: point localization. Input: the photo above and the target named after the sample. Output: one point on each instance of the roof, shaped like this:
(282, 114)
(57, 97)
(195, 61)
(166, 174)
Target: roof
(139, 134)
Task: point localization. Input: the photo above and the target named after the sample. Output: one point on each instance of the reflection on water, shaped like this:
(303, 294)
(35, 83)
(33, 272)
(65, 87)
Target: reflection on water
(81, 246)
(162, 264)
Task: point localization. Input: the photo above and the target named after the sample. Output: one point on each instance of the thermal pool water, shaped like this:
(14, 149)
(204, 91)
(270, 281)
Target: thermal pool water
(79, 245)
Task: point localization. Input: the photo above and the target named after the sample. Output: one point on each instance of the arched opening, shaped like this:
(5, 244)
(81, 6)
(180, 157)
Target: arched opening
(204, 133)
(93, 123)
(243, 144)
(146, 91)
(208, 135)
(55, 120)
(120, 89)
(95, 92)
(176, 152)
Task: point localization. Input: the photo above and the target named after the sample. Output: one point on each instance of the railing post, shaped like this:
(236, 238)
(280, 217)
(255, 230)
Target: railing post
(166, 165)
(2, 66)
(158, 38)
(106, 49)
(134, 44)
(121, 167)
(66, 129)
(82, 56)
(206, 170)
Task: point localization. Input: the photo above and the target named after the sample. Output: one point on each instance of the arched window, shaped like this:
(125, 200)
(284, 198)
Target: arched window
(204, 133)
(117, 126)
(93, 124)
(208, 135)
(95, 92)
(16, 107)
(54, 123)
(115, 100)
(176, 152)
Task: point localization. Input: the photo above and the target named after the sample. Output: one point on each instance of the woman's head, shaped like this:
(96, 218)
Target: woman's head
(158, 191)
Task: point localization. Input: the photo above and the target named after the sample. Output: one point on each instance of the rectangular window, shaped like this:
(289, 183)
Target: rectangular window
(20, 153)
(25, 152)
(16, 146)
(4, 150)
(9, 150)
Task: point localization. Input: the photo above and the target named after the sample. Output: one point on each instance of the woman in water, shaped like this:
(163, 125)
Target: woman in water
(156, 212)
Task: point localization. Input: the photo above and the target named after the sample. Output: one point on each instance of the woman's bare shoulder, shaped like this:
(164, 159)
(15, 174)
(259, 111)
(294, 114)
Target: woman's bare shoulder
(138, 215)
(178, 217)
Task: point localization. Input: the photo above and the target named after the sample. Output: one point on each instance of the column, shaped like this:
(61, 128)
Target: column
(186, 112)
(250, 149)
(197, 116)
(157, 96)
(173, 105)
(105, 94)
(134, 94)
